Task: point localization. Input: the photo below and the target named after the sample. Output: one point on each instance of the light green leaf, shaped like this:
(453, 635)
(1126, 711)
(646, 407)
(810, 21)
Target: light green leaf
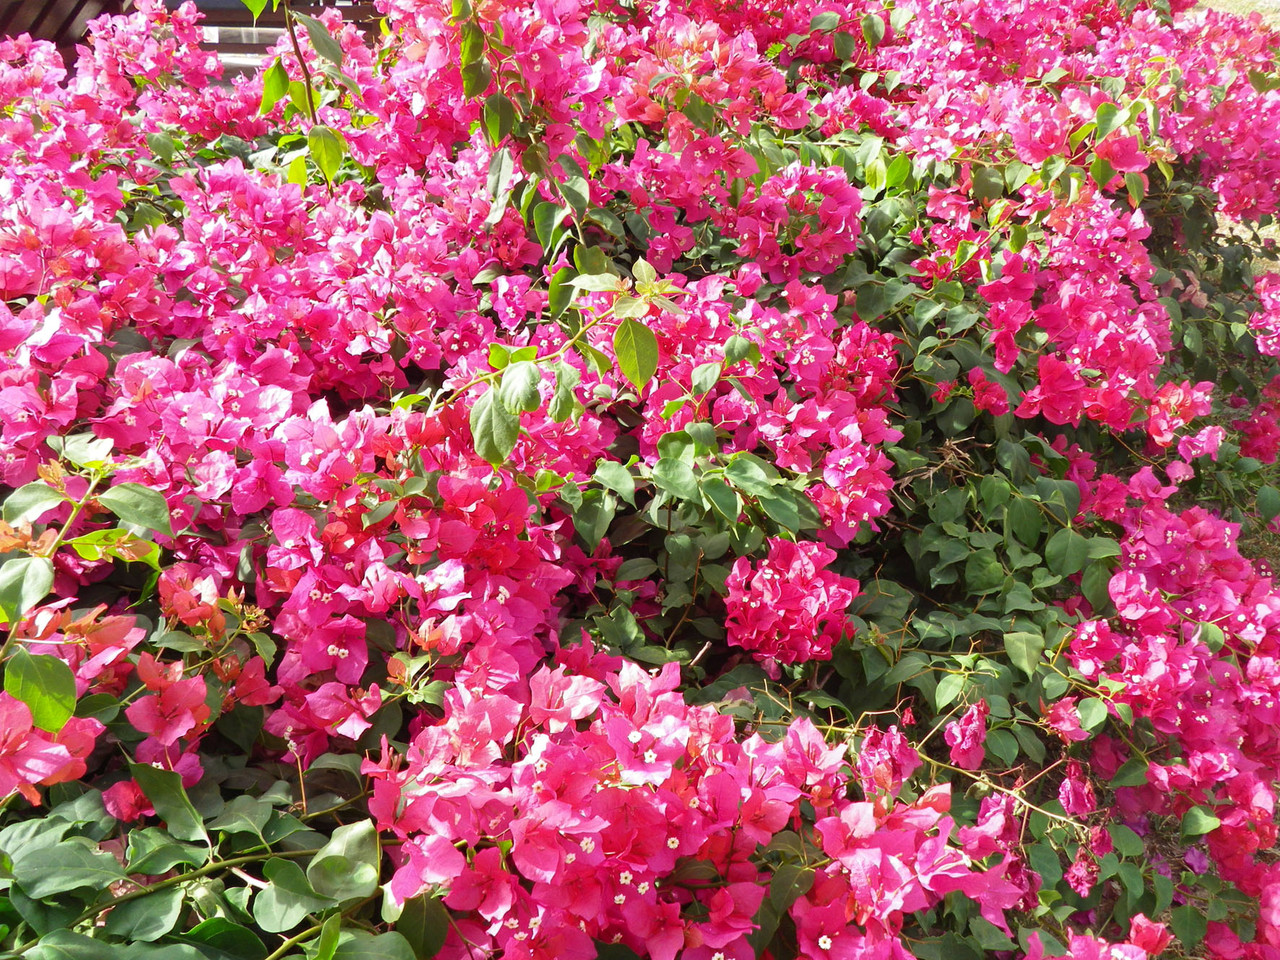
(288, 898)
(494, 429)
(358, 945)
(255, 7)
(45, 684)
(138, 505)
(73, 864)
(636, 348)
(30, 502)
(616, 477)
(643, 272)
(676, 478)
(1024, 649)
(499, 117)
(346, 868)
(1198, 821)
(327, 147)
(66, 945)
(148, 918)
(24, 582)
(275, 87)
(1093, 713)
(518, 390)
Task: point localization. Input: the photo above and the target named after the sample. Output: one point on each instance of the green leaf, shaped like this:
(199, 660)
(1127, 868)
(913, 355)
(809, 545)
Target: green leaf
(255, 7)
(346, 868)
(705, 376)
(65, 945)
(30, 502)
(1066, 552)
(636, 348)
(327, 147)
(1109, 118)
(1093, 713)
(1024, 650)
(499, 117)
(164, 789)
(73, 864)
(676, 478)
(824, 22)
(872, 30)
(494, 429)
(153, 851)
(321, 39)
(475, 79)
(231, 938)
(1127, 843)
(1198, 821)
(614, 476)
(424, 922)
(45, 684)
(1132, 774)
(275, 87)
(148, 918)
(82, 449)
(518, 390)
(288, 898)
(141, 506)
(358, 945)
(244, 814)
(790, 882)
(983, 572)
(723, 498)
(24, 582)
(1268, 504)
(471, 44)
(642, 271)
(1190, 926)
(949, 687)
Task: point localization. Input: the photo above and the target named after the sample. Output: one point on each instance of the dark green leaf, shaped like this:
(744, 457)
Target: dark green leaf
(231, 938)
(153, 851)
(872, 30)
(1066, 552)
(824, 22)
(499, 117)
(476, 77)
(321, 39)
(1189, 925)
(723, 498)
(45, 684)
(1093, 713)
(424, 922)
(141, 506)
(164, 789)
(1268, 504)
(636, 348)
(494, 429)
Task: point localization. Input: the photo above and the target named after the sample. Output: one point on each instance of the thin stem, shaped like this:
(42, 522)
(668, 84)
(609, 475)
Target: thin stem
(297, 52)
(293, 941)
(204, 871)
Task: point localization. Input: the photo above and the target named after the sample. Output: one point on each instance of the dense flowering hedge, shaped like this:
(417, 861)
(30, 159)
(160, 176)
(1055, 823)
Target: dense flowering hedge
(663, 479)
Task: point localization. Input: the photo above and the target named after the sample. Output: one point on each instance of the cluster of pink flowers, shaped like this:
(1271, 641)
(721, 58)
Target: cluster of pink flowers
(789, 607)
(240, 342)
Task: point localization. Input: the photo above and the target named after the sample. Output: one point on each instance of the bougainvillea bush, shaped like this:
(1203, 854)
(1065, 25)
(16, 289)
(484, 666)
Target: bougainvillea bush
(669, 478)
